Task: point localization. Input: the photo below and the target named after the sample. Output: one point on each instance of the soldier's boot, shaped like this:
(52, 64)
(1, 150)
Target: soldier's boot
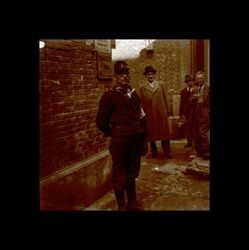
(132, 203)
(120, 197)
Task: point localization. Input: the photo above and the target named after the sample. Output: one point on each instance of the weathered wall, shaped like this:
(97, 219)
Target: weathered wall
(69, 91)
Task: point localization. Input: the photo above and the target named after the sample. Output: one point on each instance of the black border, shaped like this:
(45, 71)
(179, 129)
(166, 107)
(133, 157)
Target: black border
(218, 213)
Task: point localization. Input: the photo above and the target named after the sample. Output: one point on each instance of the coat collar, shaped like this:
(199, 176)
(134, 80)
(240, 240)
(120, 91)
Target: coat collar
(148, 87)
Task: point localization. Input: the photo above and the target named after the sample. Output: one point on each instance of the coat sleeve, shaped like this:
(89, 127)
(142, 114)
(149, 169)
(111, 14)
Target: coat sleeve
(166, 98)
(104, 115)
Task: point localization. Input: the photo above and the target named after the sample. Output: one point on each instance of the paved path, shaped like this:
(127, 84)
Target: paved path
(165, 185)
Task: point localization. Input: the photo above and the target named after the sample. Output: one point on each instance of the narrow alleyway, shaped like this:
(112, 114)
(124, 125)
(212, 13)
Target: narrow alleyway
(181, 183)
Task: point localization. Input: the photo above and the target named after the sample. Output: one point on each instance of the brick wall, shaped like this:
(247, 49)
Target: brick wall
(69, 95)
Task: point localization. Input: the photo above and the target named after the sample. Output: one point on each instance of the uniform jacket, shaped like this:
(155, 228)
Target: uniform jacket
(120, 114)
(156, 106)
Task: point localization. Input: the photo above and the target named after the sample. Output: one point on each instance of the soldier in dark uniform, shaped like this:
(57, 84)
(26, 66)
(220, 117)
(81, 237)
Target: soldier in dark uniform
(121, 117)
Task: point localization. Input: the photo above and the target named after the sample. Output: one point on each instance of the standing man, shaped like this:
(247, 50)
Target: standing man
(121, 117)
(201, 109)
(155, 102)
(186, 108)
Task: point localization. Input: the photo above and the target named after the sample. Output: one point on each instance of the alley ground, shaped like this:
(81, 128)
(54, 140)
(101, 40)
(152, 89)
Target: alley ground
(164, 184)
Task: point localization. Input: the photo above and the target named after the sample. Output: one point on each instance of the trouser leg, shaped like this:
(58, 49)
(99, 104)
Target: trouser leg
(120, 197)
(153, 149)
(189, 135)
(204, 141)
(132, 203)
(118, 147)
(133, 170)
(166, 148)
(196, 137)
(131, 190)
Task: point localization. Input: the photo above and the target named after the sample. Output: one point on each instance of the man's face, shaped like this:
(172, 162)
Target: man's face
(150, 76)
(123, 77)
(199, 79)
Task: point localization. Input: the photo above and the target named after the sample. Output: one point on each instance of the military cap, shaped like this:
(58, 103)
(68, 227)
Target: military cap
(121, 67)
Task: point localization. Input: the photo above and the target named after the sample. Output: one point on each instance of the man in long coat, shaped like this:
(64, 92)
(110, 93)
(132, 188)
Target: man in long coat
(155, 103)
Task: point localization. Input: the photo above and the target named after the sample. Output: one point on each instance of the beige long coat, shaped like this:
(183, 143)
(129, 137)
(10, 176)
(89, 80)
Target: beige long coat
(155, 103)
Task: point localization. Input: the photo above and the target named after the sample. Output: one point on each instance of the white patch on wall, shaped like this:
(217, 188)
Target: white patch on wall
(41, 44)
(103, 45)
(129, 49)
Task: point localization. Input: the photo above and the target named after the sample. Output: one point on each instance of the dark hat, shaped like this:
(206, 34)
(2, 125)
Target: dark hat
(149, 69)
(121, 67)
(188, 78)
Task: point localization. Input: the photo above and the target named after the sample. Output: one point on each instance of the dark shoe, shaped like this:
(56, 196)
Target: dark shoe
(188, 145)
(134, 206)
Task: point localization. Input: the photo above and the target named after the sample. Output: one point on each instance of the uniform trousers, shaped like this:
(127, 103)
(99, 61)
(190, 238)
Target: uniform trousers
(125, 150)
